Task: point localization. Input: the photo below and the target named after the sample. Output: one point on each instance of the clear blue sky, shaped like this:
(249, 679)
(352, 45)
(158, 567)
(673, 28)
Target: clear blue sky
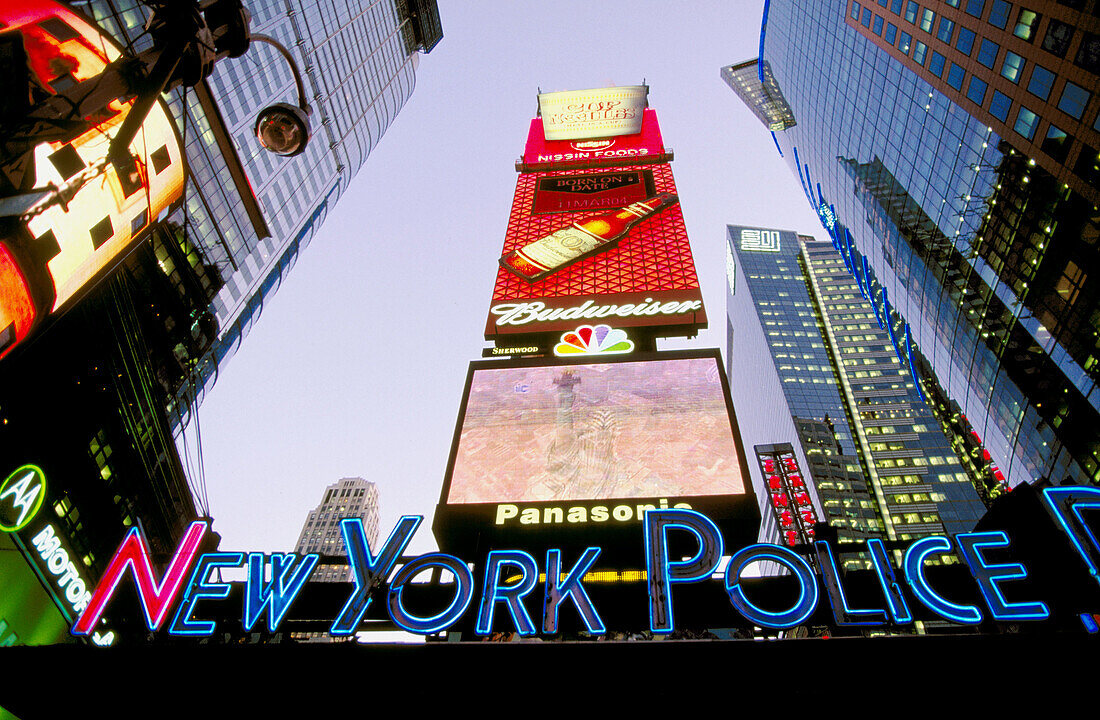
(357, 365)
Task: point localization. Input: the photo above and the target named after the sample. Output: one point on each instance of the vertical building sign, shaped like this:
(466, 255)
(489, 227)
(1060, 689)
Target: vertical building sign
(788, 496)
(596, 231)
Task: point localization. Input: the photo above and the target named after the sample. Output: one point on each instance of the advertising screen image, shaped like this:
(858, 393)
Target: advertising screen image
(641, 429)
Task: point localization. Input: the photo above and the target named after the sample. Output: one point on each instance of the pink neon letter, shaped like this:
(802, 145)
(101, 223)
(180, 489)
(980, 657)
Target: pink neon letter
(156, 598)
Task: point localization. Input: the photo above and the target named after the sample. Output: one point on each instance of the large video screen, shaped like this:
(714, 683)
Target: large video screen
(635, 429)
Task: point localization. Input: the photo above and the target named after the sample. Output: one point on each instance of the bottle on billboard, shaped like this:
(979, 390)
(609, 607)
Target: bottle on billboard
(582, 239)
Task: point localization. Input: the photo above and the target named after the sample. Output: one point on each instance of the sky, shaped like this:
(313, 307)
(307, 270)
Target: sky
(356, 366)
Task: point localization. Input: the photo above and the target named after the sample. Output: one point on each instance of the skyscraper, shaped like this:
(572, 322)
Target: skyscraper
(802, 336)
(348, 498)
(358, 61)
(950, 148)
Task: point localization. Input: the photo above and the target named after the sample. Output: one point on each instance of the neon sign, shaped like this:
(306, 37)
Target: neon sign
(511, 576)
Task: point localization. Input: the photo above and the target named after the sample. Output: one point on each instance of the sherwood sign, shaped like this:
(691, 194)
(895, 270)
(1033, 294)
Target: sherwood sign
(274, 581)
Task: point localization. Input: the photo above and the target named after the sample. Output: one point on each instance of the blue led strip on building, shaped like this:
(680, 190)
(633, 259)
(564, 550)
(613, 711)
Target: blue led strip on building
(760, 54)
(912, 367)
(776, 141)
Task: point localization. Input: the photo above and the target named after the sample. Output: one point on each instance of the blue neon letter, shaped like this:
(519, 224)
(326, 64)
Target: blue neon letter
(831, 575)
(1066, 504)
(899, 609)
(369, 570)
(511, 594)
(971, 544)
(557, 590)
(464, 591)
(807, 599)
(914, 573)
(662, 572)
(199, 587)
(278, 593)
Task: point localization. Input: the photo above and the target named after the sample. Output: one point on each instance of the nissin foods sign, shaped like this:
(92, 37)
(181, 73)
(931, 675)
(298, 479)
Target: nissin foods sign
(511, 576)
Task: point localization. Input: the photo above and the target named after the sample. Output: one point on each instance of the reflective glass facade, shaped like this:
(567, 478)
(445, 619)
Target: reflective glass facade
(358, 60)
(970, 224)
(877, 457)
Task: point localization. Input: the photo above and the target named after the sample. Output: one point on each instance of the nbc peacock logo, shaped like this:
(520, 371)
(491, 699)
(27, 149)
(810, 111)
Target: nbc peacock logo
(589, 340)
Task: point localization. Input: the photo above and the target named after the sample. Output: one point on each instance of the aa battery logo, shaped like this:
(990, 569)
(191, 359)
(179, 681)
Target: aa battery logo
(21, 497)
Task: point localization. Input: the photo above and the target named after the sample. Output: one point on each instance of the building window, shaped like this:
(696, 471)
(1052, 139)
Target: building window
(1074, 99)
(1042, 80)
(1057, 38)
(999, 106)
(920, 50)
(965, 42)
(1027, 22)
(855, 11)
(911, 10)
(905, 42)
(955, 76)
(976, 90)
(866, 21)
(935, 65)
(1056, 144)
(998, 15)
(1026, 122)
(927, 20)
(895, 6)
(877, 29)
(987, 53)
(1088, 55)
(947, 29)
(891, 33)
(975, 7)
(1012, 66)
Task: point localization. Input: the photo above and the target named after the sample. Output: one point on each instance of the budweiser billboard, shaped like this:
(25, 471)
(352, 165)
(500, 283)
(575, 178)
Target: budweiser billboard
(582, 246)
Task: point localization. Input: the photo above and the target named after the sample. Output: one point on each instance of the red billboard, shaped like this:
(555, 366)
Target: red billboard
(645, 146)
(630, 266)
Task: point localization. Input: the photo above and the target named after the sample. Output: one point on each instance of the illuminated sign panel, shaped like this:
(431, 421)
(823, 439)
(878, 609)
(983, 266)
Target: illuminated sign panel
(638, 270)
(64, 248)
(592, 191)
(596, 113)
(646, 146)
(681, 547)
(628, 429)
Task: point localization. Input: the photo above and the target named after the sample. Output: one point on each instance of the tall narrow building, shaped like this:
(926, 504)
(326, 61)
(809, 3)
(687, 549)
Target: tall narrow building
(350, 498)
(952, 151)
(803, 337)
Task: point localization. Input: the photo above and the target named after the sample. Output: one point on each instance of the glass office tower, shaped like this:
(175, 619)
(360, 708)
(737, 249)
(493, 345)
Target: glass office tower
(358, 61)
(879, 461)
(950, 149)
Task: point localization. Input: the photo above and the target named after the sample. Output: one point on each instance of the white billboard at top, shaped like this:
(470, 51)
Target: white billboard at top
(596, 113)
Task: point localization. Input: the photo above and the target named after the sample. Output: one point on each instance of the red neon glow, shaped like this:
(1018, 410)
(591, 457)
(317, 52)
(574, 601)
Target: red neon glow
(646, 145)
(156, 598)
(16, 306)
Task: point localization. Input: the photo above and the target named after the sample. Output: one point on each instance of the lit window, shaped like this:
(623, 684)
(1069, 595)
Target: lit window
(947, 29)
(1026, 24)
(927, 20)
(1026, 121)
(1012, 66)
(1088, 55)
(855, 10)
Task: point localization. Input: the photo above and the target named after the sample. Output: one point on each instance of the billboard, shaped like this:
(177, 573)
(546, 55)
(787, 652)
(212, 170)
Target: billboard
(595, 113)
(59, 249)
(630, 267)
(645, 146)
(593, 442)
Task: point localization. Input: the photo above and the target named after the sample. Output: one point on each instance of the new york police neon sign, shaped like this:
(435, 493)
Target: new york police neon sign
(274, 581)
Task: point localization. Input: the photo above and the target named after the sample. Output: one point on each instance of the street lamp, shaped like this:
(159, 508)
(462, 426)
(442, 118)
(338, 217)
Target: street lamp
(283, 128)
